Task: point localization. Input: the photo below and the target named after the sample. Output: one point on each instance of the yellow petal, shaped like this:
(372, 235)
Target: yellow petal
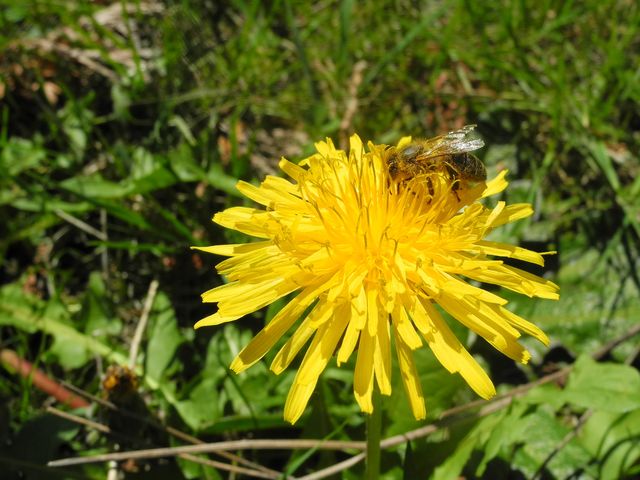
(521, 324)
(234, 249)
(270, 334)
(517, 280)
(373, 312)
(320, 351)
(356, 148)
(293, 170)
(359, 309)
(487, 323)
(452, 355)
(410, 379)
(510, 251)
(511, 213)
(363, 377)
(297, 400)
(241, 299)
(405, 333)
(382, 356)
(349, 342)
(291, 348)
(215, 319)
(496, 185)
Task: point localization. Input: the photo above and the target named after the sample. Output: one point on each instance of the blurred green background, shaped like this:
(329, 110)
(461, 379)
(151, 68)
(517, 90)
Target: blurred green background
(125, 125)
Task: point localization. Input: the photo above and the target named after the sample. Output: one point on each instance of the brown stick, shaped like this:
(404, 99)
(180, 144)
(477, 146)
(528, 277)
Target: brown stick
(269, 444)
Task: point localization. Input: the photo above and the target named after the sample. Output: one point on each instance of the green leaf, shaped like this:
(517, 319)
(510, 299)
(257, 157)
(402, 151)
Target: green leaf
(197, 471)
(242, 423)
(77, 123)
(121, 99)
(18, 155)
(48, 204)
(183, 165)
(94, 186)
(200, 410)
(178, 122)
(148, 179)
(31, 314)
(540, 433)
(125, 214)
(164, 339)
(70, 354)
(613, 438)
(38, 440)
(504, 434)
(479, 434)
(97, 313)
(603, 386)
(548, 394)
(219, 179)
(157, 179)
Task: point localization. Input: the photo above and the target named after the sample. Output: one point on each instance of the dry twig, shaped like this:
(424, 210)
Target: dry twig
(142, 323)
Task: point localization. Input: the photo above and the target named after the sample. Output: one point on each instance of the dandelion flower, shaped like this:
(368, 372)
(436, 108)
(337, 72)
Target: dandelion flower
(368, 261)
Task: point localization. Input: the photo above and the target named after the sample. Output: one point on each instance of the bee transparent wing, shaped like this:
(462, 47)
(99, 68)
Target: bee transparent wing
(458, 141)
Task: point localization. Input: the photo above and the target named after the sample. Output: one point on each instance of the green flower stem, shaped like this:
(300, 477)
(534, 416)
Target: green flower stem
(374, 433)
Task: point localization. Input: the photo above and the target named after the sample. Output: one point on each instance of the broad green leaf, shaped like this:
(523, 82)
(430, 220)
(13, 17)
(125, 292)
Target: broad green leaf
(94, 187)
(97, 314)
(201, 401)
(548, 394)
(37, 441)
(475, 439)
(613, 438)
(200, 410)
(29, 313)
(540, 435)
(183, 165)
(70, 354)
(603, 386)
(504, 434)
(164, 339)
(219, 179)
(156, 180)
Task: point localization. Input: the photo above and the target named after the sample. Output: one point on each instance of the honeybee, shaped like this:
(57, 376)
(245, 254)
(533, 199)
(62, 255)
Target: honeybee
(447, 154)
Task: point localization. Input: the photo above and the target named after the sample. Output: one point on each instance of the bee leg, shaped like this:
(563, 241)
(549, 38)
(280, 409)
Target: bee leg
(430, 187)
(454, 188)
